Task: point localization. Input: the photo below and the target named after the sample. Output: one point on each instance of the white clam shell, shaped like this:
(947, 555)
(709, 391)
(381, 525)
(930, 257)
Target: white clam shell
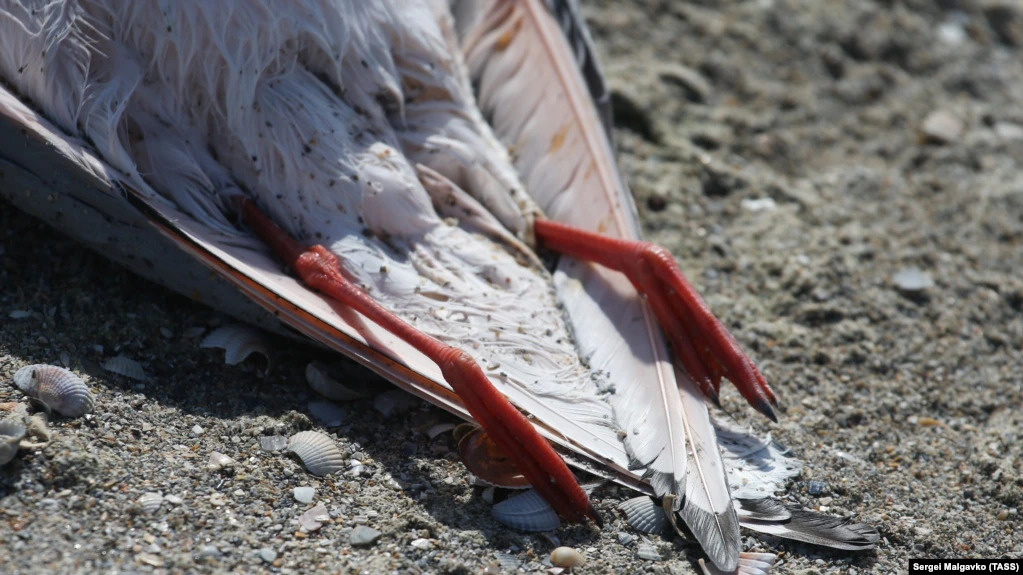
(317, 375)
(122, 365)
(318, 452)
(644, 515)
(238, 343)
(56, 388)
(526, 512)
(150, 502)
(11, 432)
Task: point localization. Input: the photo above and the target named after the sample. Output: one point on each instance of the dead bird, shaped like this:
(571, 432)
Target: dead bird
(406, 160)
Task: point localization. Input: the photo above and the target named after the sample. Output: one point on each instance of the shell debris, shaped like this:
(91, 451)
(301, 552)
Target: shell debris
(318, 452)
(238, 342)
(125, 366)
(56, 388)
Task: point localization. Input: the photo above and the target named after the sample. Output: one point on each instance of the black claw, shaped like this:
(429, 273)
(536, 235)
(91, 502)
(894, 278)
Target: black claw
(764, 406)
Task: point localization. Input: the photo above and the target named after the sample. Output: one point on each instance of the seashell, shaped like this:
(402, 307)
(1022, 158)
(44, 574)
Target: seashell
(648, 552)
(526, 512)
(318, 452)
(567, 557)
(238, 342)
(485, 460)
(317, 375)
(150, 502)
(644, 515)
(122, 365)
(56, 388)
(11, 431)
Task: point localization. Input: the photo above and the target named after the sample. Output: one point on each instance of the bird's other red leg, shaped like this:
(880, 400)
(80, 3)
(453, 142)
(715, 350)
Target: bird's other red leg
(510, 430)
(703, 345)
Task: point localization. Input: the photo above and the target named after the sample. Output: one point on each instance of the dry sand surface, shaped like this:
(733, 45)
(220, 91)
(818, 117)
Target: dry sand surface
(840, 179)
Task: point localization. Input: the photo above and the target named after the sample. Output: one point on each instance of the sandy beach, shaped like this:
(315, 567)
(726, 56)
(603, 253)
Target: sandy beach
(841, 180)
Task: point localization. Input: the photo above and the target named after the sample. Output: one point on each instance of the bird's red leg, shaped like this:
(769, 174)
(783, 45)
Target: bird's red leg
(508, 428)
(703, 345)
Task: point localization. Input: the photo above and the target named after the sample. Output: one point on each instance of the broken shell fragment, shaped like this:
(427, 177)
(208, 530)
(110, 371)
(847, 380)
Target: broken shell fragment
(644, 515)
(318, 452)
(526, 512)
(150, 502)
(122, 365)
(317, 375)
(238, 343)
(56, 388)
(11, 432)
(486, 460)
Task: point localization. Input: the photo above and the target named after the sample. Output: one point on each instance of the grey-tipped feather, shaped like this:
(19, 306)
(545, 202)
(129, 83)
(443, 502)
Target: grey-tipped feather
(818, 529)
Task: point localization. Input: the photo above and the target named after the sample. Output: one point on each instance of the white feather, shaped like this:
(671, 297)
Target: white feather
(533, 94)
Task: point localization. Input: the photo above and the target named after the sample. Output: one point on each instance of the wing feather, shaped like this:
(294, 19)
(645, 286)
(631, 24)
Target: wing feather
(531, 89)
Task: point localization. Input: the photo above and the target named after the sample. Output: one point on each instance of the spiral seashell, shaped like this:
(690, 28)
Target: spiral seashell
(122, 365)
(238, 343)
(56, 388)
(644, 515)
(150, 502)
(11, 432)
(317, 375)
(318, 452)
(526, 512)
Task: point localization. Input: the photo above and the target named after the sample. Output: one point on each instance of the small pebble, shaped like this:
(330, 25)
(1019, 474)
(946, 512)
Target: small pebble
(625, 538)
(267, 555)
(313, 519)
(197, 430)
(816, 487)
(1003, 515)
(218, 461)
(422, 543)
(912, 280)
(304, 494)
(208, 551)
(567, 557)
(273, 443)
(363, 536)
(942, 127)
(150, 559)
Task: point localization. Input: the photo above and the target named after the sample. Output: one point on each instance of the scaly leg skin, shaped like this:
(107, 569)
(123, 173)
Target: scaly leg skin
(703, 345)
(510, 430)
